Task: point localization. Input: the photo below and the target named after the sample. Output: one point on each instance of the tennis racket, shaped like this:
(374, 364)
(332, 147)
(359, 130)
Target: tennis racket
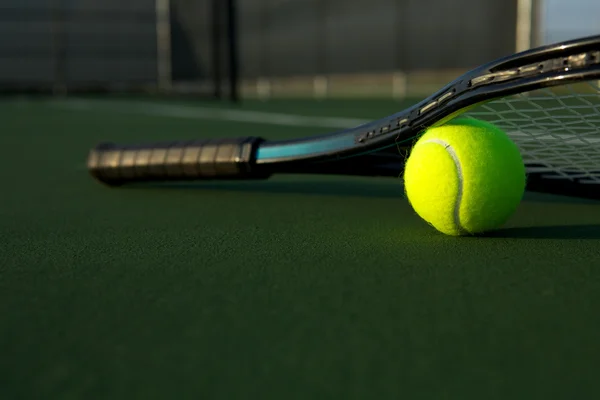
(547, 99)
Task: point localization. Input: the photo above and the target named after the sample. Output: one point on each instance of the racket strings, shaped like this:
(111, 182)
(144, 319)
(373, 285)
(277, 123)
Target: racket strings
(557, 129)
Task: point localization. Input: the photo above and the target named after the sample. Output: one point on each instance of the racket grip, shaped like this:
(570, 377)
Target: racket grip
(208, 159)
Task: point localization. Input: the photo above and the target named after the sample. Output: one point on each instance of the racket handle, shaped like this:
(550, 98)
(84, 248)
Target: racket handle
(208, 159)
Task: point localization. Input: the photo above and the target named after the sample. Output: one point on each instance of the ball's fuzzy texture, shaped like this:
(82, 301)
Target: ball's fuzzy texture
(465, 177)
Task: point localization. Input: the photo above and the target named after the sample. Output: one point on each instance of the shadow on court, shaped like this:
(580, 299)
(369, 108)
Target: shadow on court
(549, 232)
(385, 188)
(320, 188)
(535, 197)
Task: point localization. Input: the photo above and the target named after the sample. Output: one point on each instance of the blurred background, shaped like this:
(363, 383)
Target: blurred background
(232, 49)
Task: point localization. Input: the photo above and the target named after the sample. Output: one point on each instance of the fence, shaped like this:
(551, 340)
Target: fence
(114, 46)
(294, 47)
(299, 37)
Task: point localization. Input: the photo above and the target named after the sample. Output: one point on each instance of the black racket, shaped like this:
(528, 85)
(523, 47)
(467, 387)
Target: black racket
(547, 99)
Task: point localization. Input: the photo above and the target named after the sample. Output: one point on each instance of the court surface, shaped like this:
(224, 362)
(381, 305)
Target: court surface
(294, 288)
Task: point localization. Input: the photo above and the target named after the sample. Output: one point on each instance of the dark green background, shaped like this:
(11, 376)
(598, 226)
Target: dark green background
(294, 288)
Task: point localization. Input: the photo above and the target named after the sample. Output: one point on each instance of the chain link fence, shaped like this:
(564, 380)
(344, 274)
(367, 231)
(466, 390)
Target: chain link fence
(296, 37)
(85, 46)
(370, 47)
(294, 47)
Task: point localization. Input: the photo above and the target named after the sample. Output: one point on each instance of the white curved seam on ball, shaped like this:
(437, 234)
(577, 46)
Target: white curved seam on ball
(459, 174)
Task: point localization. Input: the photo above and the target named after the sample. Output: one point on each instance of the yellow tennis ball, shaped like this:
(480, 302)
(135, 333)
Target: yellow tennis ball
(465, 177)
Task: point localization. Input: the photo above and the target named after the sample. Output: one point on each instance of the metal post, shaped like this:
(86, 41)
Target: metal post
(232, 42)
(163, 42)
(538, 23)
(401, 57)
(216, 14)
(59, 47)
(524, 25)
(263, 82)
(320, 81)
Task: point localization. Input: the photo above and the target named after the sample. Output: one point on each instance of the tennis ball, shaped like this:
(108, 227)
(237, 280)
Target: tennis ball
(465, 177)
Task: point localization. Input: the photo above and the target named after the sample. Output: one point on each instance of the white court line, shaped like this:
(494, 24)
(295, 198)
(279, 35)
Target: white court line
(207, 113)
(268, 118)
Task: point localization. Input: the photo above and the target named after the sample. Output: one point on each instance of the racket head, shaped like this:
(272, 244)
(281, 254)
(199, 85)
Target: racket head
(546, 99)
(553, 65)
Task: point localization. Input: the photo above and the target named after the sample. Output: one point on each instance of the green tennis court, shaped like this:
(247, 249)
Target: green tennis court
(296, 287)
